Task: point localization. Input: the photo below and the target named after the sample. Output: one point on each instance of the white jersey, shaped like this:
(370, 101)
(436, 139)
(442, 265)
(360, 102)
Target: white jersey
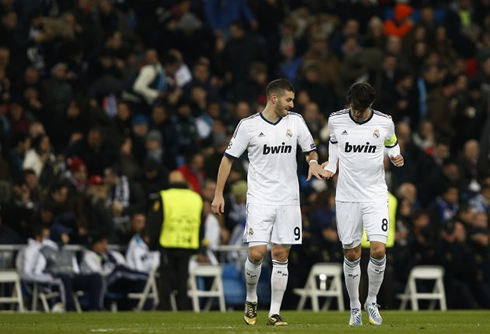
(139, 257)
(272, 174)
(361, 152)
(101, 264)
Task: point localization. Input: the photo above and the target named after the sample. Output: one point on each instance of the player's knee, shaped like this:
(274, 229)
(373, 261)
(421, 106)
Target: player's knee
(378, 252)
(352, 254)
(256, 255)
(280, 254)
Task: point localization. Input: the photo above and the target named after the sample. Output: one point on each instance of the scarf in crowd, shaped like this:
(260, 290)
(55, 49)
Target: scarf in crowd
(120, 193)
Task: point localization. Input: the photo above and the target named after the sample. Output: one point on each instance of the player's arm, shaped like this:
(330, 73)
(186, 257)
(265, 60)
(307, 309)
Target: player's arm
(333, 157)
(315, 169)
(307, 144)
(393, 150)
(238, 145)
(333, 153)
(218, 204)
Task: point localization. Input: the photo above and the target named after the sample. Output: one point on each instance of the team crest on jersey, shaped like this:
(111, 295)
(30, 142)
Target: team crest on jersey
(250, 231)
(289, 133)
(376, 133)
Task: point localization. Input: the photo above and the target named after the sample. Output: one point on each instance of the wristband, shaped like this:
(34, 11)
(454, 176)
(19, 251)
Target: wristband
(309, 162)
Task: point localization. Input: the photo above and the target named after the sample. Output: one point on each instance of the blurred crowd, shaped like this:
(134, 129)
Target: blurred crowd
(101, 99)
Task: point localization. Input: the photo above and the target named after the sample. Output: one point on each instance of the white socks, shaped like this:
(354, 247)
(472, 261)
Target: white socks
(352, 273)
(279, 281)
(376, 273)
(252, 275)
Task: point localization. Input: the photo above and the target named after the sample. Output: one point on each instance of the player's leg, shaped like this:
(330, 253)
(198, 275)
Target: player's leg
(253, 268)
(257, 234)
(377, 225)
(352, 277)
(286, 232)
(279, 282)
(349, 227)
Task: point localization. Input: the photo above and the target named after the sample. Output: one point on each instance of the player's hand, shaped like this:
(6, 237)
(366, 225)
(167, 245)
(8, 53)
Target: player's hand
(328, 173)
(398, 161)
(218, 205)
(317, 171)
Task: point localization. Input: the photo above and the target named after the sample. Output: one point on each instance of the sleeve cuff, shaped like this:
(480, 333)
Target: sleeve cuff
(230, 156)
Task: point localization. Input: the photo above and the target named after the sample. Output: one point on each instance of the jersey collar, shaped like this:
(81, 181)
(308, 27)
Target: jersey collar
(272, 123)
(363, 122)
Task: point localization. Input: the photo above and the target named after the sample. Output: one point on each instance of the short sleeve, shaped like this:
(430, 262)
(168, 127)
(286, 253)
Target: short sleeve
(390, 139)
(239, 142)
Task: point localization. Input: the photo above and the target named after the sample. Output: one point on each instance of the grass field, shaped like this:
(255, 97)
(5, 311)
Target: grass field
(395, 322)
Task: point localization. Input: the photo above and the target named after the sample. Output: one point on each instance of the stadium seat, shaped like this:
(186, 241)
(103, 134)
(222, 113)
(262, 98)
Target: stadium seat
(216, 290)
(233, 285)
(12, 277)
(324, 280)
(149, 292)
(411, 294)
(43, 292)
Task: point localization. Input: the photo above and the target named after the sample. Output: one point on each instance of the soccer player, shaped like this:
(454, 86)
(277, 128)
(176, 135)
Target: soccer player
(357, 138)
(271, 138)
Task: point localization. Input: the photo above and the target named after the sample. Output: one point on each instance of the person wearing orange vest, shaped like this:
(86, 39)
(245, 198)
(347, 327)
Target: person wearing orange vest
(174, 226)
(402, 23)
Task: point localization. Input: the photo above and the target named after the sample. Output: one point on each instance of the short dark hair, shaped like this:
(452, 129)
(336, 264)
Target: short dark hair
(57, 186)
(278, 86)
(36, 230)
(361, 95)
(169, 59)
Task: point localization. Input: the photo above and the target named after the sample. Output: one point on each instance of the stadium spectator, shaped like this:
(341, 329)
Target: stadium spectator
(221, 15)
(481, 202)
(153, 81)
(154, 147)
(19, 145)
(56, 261)
(128, 164)
(402, 23)
(125, 197)
(166, 124)
(95, 149)
(138, 255)
(98, 216)
(41, 159)
(193, 171)
(235, 210)
(137, 224)
(111, 265)
(154, 179)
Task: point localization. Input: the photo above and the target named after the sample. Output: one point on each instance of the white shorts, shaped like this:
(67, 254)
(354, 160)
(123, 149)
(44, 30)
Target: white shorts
(277, 224)
(352, 217)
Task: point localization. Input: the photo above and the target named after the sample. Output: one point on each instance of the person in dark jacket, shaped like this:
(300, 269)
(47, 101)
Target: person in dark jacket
(174, 225)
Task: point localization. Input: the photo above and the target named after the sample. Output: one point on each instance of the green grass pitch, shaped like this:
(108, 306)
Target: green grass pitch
(395, 322)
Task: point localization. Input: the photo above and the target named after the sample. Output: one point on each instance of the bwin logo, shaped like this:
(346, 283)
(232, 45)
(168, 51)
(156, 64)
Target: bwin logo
(277, 149)
(360, 148)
